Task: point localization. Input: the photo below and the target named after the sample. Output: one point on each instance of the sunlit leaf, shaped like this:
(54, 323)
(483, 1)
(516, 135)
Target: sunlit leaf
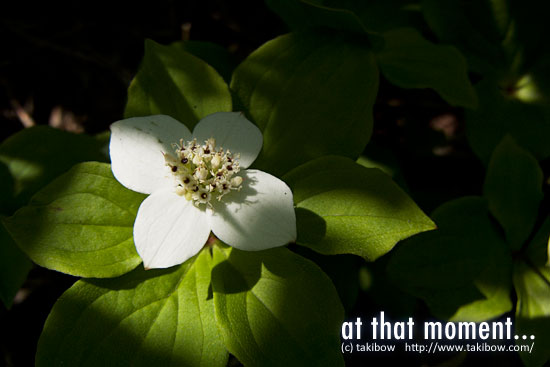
(81, 224)
(276, 308)
(533, 311)
(144, 318)
(173, 82)
(344, 208)
(311, 94)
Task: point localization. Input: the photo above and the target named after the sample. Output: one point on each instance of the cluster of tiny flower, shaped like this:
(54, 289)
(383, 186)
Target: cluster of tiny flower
(203, 172)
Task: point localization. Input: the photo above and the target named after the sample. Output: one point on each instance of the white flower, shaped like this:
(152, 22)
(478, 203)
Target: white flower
(198, 183)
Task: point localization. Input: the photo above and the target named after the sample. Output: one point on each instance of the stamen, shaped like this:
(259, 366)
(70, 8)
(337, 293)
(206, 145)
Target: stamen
(203, 172)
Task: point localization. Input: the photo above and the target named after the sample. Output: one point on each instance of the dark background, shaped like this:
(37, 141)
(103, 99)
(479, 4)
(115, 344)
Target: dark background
(68, 64)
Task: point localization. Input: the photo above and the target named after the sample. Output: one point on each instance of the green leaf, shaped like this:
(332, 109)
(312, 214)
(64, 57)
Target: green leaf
(532, 283)
(213, 54)
(37, 155)
(301, 14)
(462, 270)
(81, 223)
(275, 308)
(356, 16)
(7, 186)
(383, 158)
(410, 61)
(530, 21)
(103, 139)
(381, 293)
(344, 208)
(513, 187)
(311, 94)
(533, 311)
(533, 88)
(14, 267)
(477, 28)
(499, 115)
(343, 271)
(144, 318)
(171, 81)
(381, 16)
(538, 251)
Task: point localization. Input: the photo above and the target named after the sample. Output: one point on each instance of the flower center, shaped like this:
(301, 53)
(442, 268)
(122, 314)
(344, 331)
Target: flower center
(203, 172)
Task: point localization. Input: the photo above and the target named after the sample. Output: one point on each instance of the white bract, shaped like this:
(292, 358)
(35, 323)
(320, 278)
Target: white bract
(198, 183)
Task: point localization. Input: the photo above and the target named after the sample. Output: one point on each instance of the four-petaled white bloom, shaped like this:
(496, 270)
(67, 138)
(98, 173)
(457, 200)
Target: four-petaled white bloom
(198, 183)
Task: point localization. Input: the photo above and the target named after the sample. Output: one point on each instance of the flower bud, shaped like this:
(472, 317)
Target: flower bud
(236, 181)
